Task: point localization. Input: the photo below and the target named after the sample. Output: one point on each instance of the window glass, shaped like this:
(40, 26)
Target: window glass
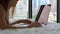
(21, 10)
(37, 3)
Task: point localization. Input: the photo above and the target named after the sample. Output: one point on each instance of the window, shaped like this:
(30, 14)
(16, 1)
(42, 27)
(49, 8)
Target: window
(53, 12)
(21, 10)
(36, 4)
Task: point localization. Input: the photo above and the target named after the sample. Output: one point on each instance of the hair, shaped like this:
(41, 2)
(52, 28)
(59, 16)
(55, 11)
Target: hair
(4, 3)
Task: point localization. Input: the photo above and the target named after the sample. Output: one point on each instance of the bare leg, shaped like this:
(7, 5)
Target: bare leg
(2, 18)
(36, 24)
(22, 21)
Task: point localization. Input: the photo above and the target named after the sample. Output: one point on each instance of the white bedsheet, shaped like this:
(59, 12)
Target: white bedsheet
(51, 28)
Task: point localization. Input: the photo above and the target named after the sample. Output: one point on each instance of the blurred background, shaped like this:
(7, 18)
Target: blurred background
(22, 9)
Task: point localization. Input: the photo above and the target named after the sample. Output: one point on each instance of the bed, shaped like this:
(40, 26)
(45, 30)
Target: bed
(50, 28)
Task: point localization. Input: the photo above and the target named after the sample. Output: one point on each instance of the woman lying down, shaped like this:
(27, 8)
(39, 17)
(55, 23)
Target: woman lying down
(4, 23)
(4, 13)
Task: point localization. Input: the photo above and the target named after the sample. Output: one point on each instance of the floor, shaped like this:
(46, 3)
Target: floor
(51, 28)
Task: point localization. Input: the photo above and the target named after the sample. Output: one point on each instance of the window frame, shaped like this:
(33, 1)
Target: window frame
(58, 11)
(30, 9)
